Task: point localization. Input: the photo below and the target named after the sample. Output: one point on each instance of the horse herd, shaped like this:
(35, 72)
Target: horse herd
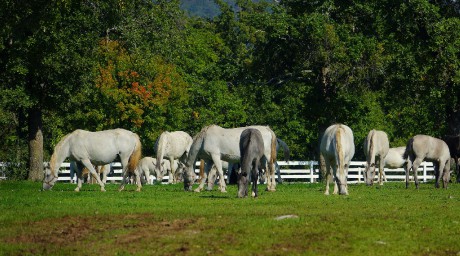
(254, 148)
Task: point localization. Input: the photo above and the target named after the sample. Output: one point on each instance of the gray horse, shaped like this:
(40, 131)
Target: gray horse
(424, 147)
(376, 148)
(214, 144)
(252, 151)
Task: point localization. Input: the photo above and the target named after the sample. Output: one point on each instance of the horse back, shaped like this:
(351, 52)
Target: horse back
(429, 148)
(330, 141)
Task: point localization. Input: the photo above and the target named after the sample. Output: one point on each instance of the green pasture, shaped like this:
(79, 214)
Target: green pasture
(297, 219)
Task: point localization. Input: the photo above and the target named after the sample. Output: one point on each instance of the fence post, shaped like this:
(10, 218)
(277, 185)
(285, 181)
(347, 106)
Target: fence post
(359, 175)
(311, 171)
(424, 172)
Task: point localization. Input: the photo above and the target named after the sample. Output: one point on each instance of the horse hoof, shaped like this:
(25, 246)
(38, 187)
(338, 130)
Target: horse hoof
(198, 190)
(77, 190)
(223, 191)
(103, 189)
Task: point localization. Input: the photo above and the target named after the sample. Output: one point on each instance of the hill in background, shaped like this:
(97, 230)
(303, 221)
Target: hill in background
(203, 8)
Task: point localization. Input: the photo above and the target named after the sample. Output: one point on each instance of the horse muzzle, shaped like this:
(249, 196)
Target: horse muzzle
(47, 186)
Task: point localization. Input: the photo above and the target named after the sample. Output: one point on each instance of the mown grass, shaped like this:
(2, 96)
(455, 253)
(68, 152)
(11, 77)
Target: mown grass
(165, 220)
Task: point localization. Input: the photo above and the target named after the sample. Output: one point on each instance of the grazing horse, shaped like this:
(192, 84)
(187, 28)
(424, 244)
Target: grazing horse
(337, 148)
(453, 142)
(148, 164)
(424, 147)
(98, 148)
(395, 158)
(252, 151)
(229, 167)
(214, 143)
(171, 146)
(376, 148)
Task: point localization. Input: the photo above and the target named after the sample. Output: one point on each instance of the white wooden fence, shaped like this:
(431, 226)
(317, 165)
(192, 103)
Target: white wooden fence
(292, 171)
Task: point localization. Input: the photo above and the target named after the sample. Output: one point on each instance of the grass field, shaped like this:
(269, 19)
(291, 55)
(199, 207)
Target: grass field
(165, 220)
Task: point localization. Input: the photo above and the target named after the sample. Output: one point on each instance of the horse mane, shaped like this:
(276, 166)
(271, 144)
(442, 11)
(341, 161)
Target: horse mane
(371, 147)
(338, 146)
(203, 132)
(135, 155)
(57, 151)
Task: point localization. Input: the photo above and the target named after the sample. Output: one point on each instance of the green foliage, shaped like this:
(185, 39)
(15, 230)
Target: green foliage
(297, 66)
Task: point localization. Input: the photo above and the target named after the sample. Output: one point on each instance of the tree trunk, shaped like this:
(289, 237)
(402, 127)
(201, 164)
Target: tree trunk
(35, 145)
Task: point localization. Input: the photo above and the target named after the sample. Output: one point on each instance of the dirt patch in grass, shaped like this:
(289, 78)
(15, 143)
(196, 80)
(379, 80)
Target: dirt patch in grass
(132, 233)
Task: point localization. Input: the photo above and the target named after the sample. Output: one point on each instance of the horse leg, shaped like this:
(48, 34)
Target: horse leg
(212, 176)
(93, 172)
(79, 174)
(204, 178)
(328, 177)
(255, 174)
(446, 174)
(408, 167)
(218, 165)
(173, 170)
(381, 171)
(271, 176)
(415, 166)
(138, 179)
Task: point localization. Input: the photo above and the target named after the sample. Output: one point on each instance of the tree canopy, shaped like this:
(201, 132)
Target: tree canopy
(297, 66)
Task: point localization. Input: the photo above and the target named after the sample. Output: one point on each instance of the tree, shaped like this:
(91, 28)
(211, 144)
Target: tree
(44, 57)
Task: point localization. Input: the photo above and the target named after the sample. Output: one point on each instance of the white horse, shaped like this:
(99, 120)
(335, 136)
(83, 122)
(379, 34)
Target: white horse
(395, 158)
(147, 165)
(214, 143)
(337, 148)
(376, 146)
(98, 148)
(424, 147)
(171, 146)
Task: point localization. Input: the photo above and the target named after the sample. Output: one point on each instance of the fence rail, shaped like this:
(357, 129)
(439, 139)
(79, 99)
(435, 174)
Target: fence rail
(292, 171)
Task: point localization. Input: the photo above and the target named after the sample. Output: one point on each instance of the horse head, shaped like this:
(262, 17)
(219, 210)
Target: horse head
(243, 182)
(189, 177)
(50, 178)
(369, 174)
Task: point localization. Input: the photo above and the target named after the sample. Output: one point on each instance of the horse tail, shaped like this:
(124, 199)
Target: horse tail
(135, 155)
(201, 170)
(408, 150)
(338, 148)
(161, 146)
(273, 149)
